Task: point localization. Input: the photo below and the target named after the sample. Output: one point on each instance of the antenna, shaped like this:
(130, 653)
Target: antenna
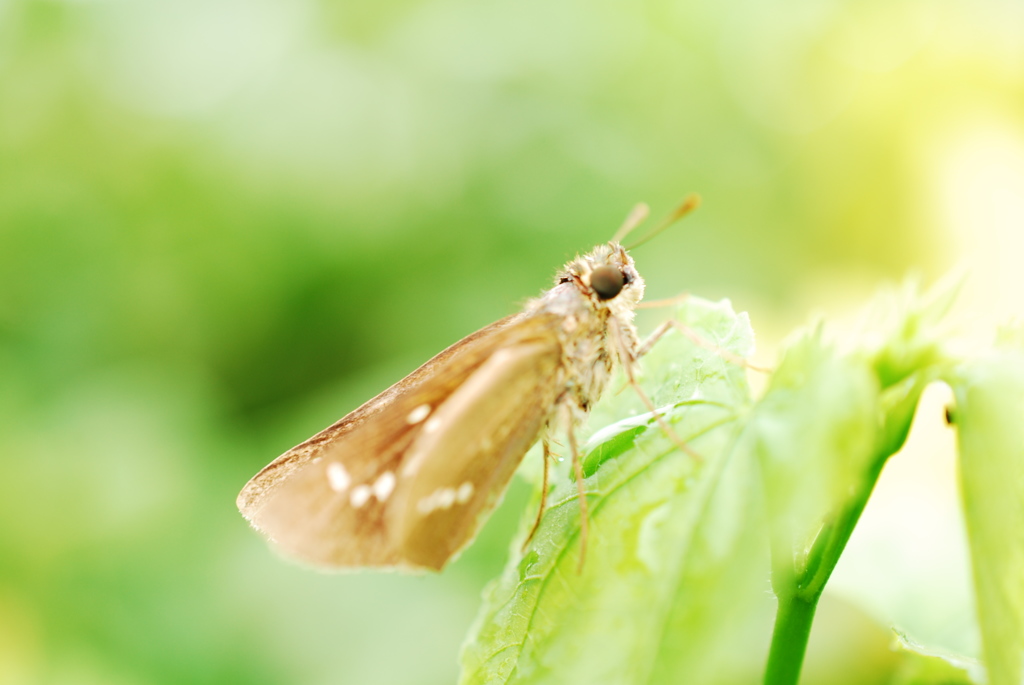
(689, 203)
(636, 217)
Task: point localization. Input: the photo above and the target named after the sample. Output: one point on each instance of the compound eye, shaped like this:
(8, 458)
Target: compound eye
(607, 282)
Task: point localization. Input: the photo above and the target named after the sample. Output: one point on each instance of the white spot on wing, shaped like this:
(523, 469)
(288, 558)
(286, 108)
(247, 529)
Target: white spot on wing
(432, 425)
(427, 504)
(360, 495)
(418, 414)
(338, 477)
(445, 498)
(384, 486)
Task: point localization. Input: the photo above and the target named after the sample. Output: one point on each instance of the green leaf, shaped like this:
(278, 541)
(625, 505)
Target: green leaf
(920, 665)
(823, 432)
(910, 327)
(674, 583)
(815, 435)
(677, 369)
(989, 416)
(829, 421)
(675, 555)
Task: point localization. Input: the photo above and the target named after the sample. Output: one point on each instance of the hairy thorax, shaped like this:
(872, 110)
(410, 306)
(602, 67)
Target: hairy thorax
(592, 344)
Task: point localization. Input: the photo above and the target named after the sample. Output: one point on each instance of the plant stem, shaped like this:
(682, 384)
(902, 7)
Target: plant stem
(799, 594)
(789, 639)
(798, 587)
(827, 549)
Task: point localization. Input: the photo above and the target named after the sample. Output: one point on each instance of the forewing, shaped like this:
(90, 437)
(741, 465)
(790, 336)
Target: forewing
(452, 365)
(458, 467)
(325, 500)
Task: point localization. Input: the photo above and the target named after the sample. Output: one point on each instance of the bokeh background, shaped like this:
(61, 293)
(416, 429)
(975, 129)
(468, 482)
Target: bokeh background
(224, 224)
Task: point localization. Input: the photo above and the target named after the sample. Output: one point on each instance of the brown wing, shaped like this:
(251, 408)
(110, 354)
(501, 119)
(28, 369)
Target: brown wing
(325, 500)
(260, 487)
(458, 467)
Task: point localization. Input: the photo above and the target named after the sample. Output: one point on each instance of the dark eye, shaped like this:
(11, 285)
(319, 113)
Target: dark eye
(563, 279)
(607, 282)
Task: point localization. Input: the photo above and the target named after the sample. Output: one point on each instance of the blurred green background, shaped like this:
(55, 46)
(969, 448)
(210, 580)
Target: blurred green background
(224, 224)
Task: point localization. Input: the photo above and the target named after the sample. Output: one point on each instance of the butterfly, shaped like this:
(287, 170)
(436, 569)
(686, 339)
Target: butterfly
(407, 479)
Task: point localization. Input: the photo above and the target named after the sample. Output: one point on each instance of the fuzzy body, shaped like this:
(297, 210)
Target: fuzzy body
(589, 352)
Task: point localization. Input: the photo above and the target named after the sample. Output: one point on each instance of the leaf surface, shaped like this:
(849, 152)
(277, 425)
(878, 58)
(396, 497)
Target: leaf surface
(989, 416)
(675, 554)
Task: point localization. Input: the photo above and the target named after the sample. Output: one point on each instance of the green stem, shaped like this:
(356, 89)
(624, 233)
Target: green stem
(799, 598)
(799, 590)
(789, 640)
(827, 549)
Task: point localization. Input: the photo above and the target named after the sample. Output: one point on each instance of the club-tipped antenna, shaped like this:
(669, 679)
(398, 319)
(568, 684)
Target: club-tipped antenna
(636, 217)
(689, 203)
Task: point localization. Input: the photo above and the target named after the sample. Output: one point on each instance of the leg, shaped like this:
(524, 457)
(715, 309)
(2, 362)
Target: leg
(627, 359)
(577, 465)
(654, 304)
(708, 345)
(543, 495)
(645, 347)
(725, 354)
